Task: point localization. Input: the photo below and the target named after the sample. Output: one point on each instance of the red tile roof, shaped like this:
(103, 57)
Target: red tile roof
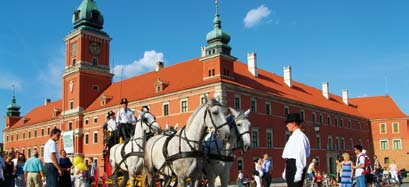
(40, 114)
(188, 74)
(378, 107)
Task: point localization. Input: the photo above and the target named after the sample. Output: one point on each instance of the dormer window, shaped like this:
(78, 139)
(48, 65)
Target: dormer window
(159, 85)
(77, 15)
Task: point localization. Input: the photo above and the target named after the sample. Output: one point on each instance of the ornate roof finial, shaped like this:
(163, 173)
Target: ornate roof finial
(14, 90)
(217, 6)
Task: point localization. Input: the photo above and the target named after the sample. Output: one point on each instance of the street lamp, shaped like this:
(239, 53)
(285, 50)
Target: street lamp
(317, 129)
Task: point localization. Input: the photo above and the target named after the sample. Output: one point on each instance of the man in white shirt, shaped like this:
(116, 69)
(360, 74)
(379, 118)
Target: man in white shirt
(359, 166)
(124, 119)
(51, 167)
(296, 152)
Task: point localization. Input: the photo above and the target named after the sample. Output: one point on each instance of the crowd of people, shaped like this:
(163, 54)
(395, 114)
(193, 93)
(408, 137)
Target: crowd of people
(297, 151)
(57, 169)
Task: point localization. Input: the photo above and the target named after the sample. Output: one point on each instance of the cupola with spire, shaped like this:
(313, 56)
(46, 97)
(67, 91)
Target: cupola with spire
(13, 109)
(217, 39)
(88, 16)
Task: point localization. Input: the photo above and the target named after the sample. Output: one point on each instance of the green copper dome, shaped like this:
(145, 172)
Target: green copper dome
(13, 109)
(87, 15)
(217, 34)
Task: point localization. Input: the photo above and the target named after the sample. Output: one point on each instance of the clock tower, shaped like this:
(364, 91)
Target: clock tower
(87, 73)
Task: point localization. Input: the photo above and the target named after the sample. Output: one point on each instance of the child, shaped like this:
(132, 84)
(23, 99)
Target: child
(319, 178)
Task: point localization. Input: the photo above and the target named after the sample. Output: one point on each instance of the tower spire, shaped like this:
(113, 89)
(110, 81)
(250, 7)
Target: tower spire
(217, 39)
(13, 109)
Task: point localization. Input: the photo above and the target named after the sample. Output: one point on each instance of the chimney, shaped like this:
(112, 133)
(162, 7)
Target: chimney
(345, 96)
(325, 90)
(287, 76)
(159, 66)
(252, 63)
(203, 51)
(47, 101)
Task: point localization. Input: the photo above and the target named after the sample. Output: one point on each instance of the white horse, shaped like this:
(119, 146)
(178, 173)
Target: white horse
(220, 155)
(181, 155)
(128, 156)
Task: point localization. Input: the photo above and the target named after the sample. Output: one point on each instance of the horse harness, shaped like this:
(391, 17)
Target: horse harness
(187, 154)
(228, 158)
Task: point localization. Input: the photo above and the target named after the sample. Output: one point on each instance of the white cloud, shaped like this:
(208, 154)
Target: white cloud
(254, 16)
(145, 64)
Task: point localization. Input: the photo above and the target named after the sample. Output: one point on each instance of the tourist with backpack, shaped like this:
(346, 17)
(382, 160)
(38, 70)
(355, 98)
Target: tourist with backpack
(359, 166)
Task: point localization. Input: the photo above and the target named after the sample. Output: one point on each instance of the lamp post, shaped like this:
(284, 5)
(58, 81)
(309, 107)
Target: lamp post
(317, 129)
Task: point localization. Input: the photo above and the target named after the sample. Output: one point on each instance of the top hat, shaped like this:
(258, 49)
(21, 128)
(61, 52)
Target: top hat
(110, 113)
(124, 101)
(294, 117)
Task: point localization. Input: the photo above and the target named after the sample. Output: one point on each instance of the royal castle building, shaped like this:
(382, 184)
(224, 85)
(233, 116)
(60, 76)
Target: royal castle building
(333, 123)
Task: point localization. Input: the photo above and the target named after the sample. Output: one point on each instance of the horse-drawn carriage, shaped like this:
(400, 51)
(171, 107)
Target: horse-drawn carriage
(206, 143)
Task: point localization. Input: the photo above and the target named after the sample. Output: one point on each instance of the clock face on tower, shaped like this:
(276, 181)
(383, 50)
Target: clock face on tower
(95, 48)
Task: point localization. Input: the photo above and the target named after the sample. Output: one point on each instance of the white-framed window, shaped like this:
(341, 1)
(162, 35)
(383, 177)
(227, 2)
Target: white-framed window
(95, 137)
(336, 121)
(253, 105)
(397, 144)
(336, 143)
(254, 137)
(321, 119)
(286, 111)
(384, 144)
(16, 135)
(69, 125)
(41, 151)
(317, 158)
(7, 138)
(71, 104)
(314, 117)
(29, 134)
(86, 138)
(86, 121)
(35, 133)
(165, 108)
(237, 102)
(95, 119)
(42, 132)
(23, 135)
(203, 98)
(318, 141)
(268, 108)
(269, 136)
(395, 127)
(349, 124)
(342, 143)
(329, 145)
(342, 122)
(382, 128)
(302, 114)
(329, 120)
(240, 163)
(29, 151)
(184, 105)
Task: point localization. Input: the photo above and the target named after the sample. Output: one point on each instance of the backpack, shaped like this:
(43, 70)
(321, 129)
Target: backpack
(367, 168)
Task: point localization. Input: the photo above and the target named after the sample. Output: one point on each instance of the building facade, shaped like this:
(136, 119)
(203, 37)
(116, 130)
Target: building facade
(334, 124)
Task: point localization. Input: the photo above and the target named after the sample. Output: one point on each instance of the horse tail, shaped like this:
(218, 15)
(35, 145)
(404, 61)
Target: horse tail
(144, 179)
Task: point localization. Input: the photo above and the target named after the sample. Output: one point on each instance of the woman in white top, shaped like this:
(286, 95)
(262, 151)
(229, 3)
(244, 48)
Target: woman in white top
(258, 172)
(393, 169)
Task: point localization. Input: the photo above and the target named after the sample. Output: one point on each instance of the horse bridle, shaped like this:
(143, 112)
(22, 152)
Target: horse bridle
(240, 141)
(216, 128)
(144, 120)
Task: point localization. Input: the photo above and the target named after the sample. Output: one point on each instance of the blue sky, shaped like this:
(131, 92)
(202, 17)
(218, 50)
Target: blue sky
(362, 46)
